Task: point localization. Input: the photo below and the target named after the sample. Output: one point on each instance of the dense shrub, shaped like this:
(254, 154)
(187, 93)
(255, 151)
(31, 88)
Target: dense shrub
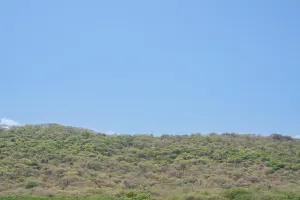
(237, 194)
(48, 160)
(31, 184)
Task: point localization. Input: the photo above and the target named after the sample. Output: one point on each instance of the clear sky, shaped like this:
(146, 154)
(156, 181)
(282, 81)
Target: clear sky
(156, 66)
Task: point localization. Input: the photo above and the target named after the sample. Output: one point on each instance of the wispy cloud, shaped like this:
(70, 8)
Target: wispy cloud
(109, 132)
(9, 122)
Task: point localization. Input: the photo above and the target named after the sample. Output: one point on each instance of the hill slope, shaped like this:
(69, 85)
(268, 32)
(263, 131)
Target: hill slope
(55, 160)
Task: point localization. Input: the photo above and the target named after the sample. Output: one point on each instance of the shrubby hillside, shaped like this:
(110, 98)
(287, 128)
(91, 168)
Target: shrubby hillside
(57, 161)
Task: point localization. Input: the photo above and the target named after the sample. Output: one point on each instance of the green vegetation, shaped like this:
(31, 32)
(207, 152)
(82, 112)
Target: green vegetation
(40, 198)
(54, 161)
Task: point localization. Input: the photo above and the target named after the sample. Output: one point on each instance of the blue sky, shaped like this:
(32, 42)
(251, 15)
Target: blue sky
(152, 66)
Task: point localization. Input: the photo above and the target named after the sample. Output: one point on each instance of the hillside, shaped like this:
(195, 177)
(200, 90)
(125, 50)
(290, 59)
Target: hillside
(57, 161)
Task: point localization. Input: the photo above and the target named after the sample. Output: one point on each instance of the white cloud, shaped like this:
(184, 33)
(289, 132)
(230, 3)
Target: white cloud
(9, 122)
(109, 132)
(296, 136)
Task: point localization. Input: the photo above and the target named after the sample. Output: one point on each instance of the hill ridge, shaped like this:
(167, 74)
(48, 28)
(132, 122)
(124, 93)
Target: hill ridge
(61, 161)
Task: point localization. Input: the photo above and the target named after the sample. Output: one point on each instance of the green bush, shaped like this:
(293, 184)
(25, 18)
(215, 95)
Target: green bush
(275, 164)
(31, 184)
(138, 196)
(237, 194)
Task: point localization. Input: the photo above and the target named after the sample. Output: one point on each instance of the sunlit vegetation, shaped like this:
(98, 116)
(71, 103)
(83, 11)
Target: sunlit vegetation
(55, 161)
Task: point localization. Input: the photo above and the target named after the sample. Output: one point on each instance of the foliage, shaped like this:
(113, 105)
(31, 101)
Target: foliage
(31, 184)
(52, 160)
(237, 193)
